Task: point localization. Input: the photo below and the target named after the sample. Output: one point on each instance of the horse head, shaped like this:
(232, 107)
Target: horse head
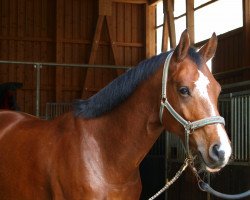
(193, 93)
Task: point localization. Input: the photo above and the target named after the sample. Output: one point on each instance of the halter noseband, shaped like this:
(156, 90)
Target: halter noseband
(188, 126)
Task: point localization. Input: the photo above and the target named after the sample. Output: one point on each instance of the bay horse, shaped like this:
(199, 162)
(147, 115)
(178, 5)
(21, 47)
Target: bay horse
(94, 152)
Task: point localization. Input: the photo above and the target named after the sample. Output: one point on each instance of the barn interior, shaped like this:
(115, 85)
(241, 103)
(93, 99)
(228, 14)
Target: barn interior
(55, 51)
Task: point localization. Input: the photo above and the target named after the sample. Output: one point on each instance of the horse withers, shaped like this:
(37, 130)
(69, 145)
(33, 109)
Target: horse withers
(94, 152)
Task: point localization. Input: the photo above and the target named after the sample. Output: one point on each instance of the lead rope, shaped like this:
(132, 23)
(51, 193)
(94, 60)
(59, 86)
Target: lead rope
(177, 175)
(189, 127)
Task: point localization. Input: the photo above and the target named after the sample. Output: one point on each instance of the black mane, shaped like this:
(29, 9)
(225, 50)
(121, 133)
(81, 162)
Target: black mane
(122, 87)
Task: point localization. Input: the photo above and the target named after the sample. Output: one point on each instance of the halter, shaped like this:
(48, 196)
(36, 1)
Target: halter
(188, 126)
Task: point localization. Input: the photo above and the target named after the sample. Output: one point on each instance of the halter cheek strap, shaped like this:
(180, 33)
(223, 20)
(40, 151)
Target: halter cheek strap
(188, 126)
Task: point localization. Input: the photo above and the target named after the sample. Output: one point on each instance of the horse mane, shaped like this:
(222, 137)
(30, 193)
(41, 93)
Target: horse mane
(122, 87)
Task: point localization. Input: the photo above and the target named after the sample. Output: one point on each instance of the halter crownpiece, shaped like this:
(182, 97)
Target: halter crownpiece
(188, 126)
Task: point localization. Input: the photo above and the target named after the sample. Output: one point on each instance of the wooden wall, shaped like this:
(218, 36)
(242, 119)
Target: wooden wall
(62, 31)
(26, 34)
(230, 57)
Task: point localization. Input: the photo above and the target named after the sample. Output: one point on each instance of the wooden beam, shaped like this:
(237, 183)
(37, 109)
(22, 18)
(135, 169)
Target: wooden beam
(165, 34)
(150, 31)
(153, 2)
(105, 7)
(111, 38)
(96, 39)
(113, 44)
(93, 52)
(190, 19)
(131, 1)
(171, 26)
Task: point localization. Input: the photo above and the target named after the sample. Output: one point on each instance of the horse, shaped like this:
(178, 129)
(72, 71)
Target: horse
(94, 151)
(8, 95)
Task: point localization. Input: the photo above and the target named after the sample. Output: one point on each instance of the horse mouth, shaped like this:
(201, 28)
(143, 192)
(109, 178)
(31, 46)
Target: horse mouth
(209, 167)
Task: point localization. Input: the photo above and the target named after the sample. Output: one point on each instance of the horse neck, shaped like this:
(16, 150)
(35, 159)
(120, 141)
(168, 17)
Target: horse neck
(129, 131)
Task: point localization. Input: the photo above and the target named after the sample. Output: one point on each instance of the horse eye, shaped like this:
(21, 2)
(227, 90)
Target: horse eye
(184, 91)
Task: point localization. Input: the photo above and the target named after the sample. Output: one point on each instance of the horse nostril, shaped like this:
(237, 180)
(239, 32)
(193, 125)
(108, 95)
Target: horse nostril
(219, 154)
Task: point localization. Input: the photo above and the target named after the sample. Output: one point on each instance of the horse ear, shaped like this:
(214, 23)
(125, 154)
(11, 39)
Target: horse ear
(208, 50)
(181, 50)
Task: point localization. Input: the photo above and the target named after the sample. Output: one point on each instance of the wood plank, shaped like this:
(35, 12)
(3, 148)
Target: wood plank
(29, 18)
(171, 26)
(132, 1)
(13, 18)
(128, 22)
(113, 44)
(150, 31)
(88, 82)
(21, 19)
(105, 7)
(190, 19)
(37, 18)
(67, 81)
(128, 35)
(153, 2)
(44, 18)
(134, 24)
(75, 19)
(111, 38)
(165, 32)
(68, 15)
(119, 31)
(83, 20)
(96, 39)
(59, 49)
(1, 17)
(4, 19)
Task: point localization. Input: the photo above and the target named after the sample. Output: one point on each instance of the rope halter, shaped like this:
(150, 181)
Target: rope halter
(188, 126)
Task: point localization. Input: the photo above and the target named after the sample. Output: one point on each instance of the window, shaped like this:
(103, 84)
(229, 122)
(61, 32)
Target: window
(198, 3)
(211, 19)
(208, 18)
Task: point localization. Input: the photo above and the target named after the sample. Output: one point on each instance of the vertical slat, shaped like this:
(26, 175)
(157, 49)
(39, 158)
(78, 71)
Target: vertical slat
(150, 31)
(190, 19)
(248, 127)
(171, 26)
(239, 128)
(240, 113)
(233, 127)
(59, 48)
(245, 127)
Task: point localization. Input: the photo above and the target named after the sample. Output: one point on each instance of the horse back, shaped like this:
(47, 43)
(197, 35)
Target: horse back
(27, 144)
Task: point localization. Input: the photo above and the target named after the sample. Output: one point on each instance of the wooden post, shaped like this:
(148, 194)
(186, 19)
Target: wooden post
(150, 31)
(96, 39)
(113, 44)
(165, 34)
(190, 19)
(171, 27)
(93, 52)
(105, 7)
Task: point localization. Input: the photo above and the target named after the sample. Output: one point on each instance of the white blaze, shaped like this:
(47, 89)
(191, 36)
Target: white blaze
(201, 86)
